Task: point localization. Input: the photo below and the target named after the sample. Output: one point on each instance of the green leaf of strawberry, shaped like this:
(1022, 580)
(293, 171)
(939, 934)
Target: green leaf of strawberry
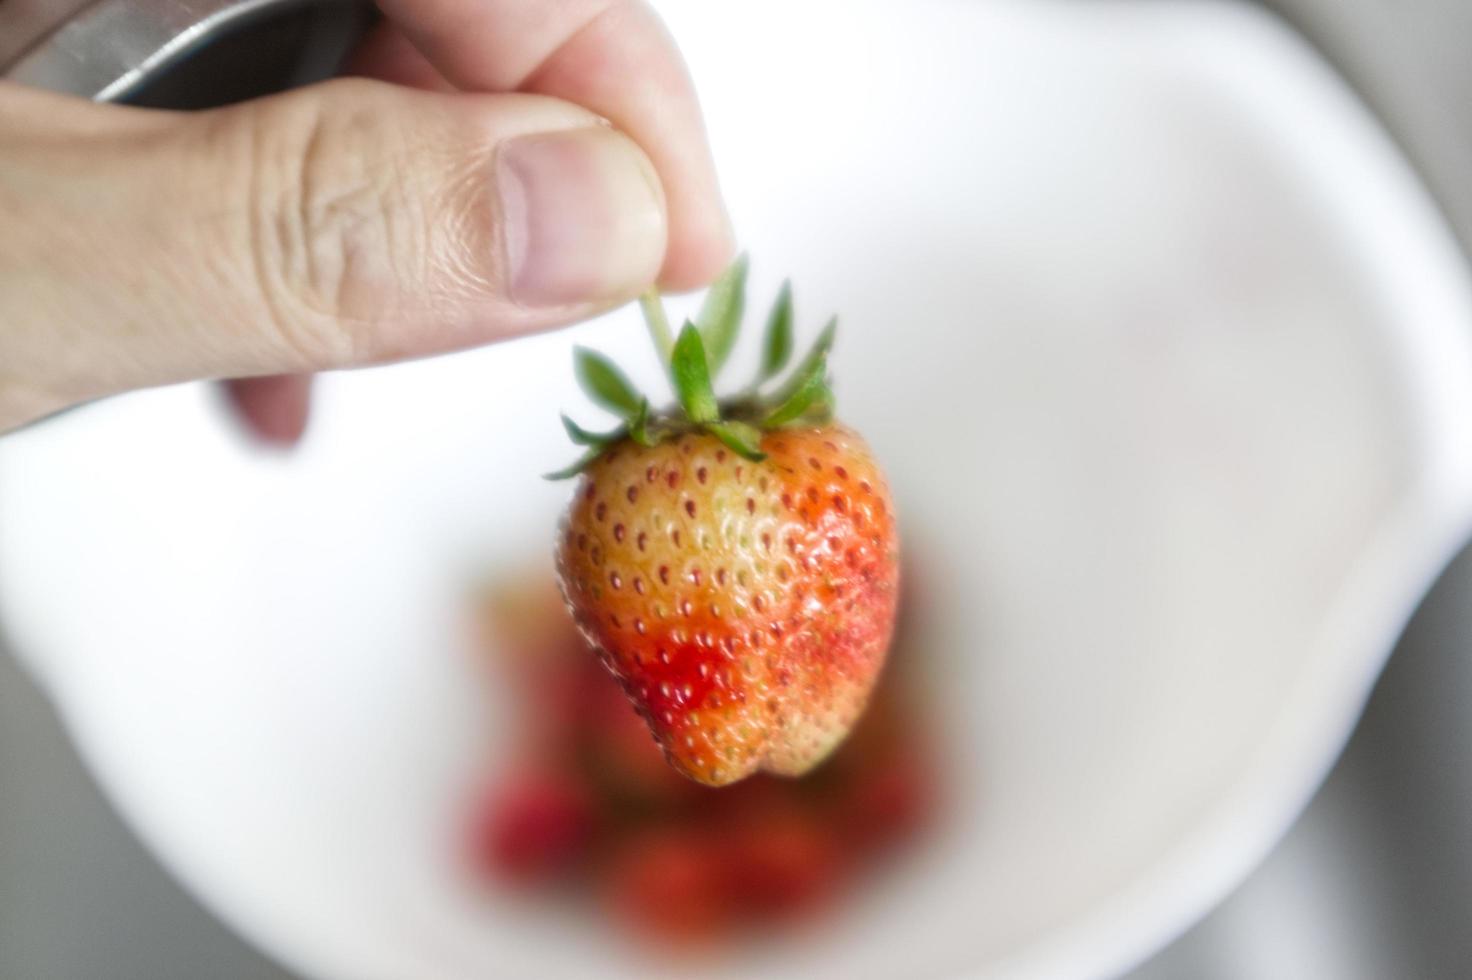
(810, 391)
(582, 437)
(746, 440)
(692, 377)
(604, 382)
(777, 347)
(817, 353)
(720, 315)
(639, 425)
(576, 467)
(692, 360)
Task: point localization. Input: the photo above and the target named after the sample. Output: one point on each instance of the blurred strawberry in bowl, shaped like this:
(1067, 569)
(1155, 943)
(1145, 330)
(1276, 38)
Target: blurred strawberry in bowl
(594, 803)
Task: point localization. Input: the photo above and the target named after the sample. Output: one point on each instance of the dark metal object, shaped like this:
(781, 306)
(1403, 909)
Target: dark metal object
(176, 53)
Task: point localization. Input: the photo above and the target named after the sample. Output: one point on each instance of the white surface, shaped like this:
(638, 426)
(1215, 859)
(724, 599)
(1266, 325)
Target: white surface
(1169, 359)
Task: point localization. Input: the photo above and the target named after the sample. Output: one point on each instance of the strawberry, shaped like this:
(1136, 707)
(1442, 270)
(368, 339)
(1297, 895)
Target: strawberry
(734, 563)
(667, 883)
(889, 801)
(616, 755)
(536, 825)
(780, 861)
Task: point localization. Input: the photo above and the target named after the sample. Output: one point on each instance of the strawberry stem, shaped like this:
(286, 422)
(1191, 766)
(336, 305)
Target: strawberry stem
(658, 324)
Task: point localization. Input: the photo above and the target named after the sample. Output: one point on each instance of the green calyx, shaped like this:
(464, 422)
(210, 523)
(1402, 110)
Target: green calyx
(692, 360)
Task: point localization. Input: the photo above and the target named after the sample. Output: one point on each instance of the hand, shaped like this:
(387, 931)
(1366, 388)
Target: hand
(507, 166)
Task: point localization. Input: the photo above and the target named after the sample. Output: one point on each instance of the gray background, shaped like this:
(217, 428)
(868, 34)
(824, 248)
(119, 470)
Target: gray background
(1374, 881)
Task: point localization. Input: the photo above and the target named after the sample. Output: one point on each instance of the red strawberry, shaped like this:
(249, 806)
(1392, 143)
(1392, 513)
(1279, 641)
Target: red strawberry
(536, 826)
(888, 802)
(747, 607)
(736, 564)
(668, 883)
(780, 860)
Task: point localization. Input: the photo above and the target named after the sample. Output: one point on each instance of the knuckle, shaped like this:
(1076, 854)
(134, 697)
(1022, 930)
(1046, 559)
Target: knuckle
(333, 231)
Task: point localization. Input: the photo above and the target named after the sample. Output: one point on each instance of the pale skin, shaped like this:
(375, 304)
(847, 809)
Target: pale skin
(501, 167)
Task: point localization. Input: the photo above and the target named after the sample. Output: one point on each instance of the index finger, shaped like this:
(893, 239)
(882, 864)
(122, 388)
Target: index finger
(613, 57)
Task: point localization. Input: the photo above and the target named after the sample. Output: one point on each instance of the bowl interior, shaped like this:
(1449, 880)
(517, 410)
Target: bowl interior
(1167, 357)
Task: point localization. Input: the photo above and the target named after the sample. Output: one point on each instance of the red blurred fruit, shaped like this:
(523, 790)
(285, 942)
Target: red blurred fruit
(536, 826)
(594, 801)
(779, 861)
(668, 884)
(890, 800)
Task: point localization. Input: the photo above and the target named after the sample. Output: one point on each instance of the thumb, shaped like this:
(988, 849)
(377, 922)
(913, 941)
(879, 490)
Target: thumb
(349, 223)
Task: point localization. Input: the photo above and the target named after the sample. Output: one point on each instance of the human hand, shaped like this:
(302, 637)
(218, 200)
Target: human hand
(506, 167)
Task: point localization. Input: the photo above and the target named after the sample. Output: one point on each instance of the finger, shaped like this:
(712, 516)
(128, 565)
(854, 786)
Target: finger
(387, 55)
(347, 223)
(616, 58)
(274, 407)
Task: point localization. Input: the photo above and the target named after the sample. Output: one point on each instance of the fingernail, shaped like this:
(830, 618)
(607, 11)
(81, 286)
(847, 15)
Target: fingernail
(583, 217)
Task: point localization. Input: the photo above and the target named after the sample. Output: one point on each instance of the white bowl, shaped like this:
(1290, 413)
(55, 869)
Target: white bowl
(1170, 360)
